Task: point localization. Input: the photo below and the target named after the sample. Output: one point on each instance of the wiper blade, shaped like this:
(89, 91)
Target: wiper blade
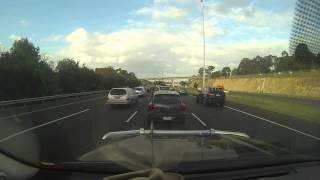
(142, 131)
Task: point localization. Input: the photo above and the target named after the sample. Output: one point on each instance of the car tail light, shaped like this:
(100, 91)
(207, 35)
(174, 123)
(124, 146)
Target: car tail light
(183, 107)
(151, 107)
(210, 94)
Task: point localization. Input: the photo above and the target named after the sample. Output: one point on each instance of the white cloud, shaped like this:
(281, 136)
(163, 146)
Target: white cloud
(166, 2)
(150, 52)
(226, 6)
(24, 22)
(163, 12)
(14, 37)
(54, 37)
(247, 14)
(158, 46)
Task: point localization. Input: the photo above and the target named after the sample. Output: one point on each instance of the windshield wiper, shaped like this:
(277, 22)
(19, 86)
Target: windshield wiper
(142, 131)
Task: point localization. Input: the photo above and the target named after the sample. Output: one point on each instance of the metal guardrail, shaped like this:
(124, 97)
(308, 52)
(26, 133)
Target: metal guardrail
(45, 98)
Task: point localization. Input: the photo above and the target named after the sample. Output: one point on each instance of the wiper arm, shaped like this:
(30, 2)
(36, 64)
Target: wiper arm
(142, 131)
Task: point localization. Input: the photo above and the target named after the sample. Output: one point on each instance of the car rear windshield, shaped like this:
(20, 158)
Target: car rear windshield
(139, 89)
(215, 90)
(118, 92)
(164, 88)
(167, 99)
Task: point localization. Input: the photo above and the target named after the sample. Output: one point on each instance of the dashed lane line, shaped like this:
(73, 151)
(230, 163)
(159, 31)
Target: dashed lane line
(131, 117)
(200, 121)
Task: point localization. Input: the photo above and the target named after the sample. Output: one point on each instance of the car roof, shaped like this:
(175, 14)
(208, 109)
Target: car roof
(120, 88)
(166, 92)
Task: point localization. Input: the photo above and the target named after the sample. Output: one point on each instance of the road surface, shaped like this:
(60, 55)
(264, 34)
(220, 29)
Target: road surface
(65, 129)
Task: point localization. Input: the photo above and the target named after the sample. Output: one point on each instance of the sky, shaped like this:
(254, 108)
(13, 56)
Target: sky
(151, 38)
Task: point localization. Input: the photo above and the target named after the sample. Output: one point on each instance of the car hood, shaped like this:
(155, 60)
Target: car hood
(145, 151)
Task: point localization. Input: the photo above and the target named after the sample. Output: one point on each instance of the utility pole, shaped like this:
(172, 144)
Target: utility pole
(204, 47)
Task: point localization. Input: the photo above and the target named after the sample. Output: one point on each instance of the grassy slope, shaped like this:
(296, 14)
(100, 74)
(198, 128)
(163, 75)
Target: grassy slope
(303, 83)
(301, 111)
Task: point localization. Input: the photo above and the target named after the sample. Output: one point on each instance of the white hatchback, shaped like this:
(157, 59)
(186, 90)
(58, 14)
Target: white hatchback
(140, 91)
(122, 96)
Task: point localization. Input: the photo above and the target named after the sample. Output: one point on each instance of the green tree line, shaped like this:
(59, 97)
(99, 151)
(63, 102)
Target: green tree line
(25, 73)
(302, 59)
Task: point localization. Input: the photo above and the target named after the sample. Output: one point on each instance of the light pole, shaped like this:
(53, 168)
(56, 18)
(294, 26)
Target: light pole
(204, 47)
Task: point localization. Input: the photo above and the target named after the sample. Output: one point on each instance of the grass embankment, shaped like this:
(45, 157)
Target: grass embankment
(192, 91)
(282, 106)
(301, 83)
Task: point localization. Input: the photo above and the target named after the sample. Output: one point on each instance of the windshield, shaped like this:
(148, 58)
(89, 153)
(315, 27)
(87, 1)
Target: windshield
(166, 99)
(139, 89)
(162, 77)
(118, 92)
(164, 88)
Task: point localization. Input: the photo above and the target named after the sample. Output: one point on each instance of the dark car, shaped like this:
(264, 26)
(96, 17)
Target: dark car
(166, 106)
(211, 95)
(183, 92)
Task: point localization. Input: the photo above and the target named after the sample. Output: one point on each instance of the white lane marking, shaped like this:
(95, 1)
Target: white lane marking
(269, 121)
(45, 124)
(197, 118)
(44, 109)
(129, 119)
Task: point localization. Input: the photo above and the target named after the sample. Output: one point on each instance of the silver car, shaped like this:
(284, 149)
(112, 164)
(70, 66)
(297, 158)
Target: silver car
(140, 91)
(118, 96)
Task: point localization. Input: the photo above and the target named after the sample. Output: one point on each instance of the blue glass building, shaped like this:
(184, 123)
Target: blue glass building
(306, 26)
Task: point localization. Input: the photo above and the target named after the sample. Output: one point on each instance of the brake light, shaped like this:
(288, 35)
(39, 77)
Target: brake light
(210, 94)
(183, 107)
(151, 107)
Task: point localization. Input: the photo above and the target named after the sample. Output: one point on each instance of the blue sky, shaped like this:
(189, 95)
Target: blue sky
(149, 37)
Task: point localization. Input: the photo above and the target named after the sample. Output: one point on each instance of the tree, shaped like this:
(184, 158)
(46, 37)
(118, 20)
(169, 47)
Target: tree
(159, 83)
(318, 59)
(264, 64)
(226, 71)
(195, 85)
(235, 71)
(110, 78)
(303, 57)
(246, 66)
(183, 83)
(68, 73)
(216, 74)
(284, 63)
(209, 70)
(284, 54)
(23, 73)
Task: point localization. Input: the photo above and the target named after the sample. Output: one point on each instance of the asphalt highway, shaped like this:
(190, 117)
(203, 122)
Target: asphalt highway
(65, 129)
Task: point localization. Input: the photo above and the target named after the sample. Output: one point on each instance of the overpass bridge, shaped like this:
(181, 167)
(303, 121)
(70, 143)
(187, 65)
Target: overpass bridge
(170, 81)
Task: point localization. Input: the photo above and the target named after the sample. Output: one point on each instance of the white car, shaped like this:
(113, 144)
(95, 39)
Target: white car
(118, 96)
(140, 91)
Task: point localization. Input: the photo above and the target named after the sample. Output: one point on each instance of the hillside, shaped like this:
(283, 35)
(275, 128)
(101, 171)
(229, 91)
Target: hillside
(305, 84)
